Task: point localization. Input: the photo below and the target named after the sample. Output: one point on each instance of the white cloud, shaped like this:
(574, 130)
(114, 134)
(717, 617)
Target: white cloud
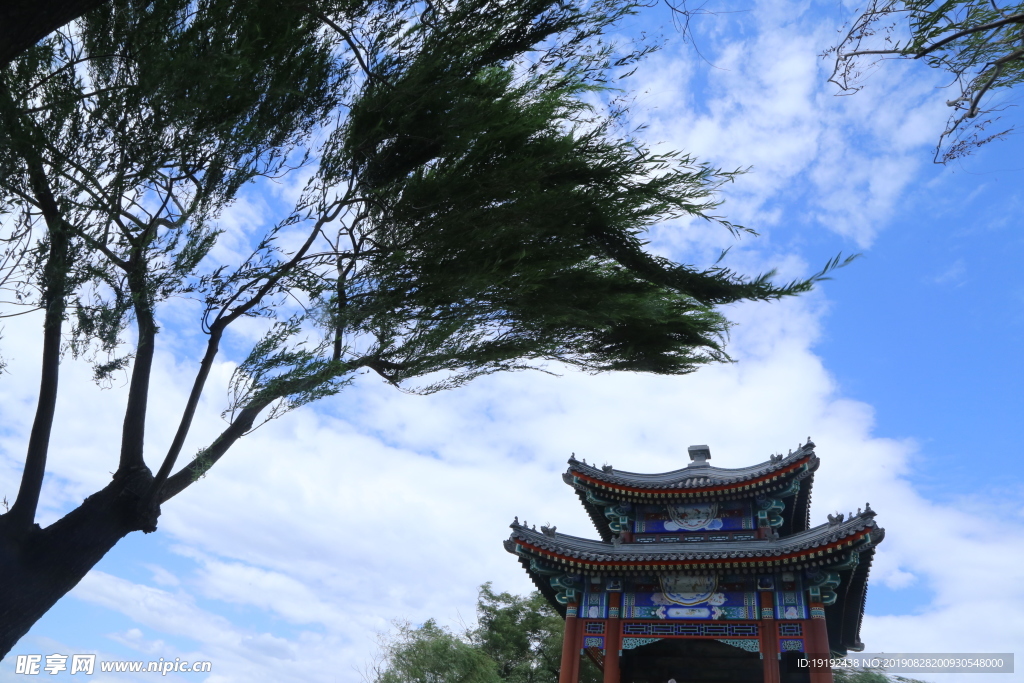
(954, 275)
(162, 577)
(849, 159)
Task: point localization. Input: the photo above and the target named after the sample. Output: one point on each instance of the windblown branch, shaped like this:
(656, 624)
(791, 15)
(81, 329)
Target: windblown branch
(244, 422)
(998, 69)
(241, 425)
(245, 419)
(212, 347)
(225, 318)
(82, 96)
(1013, 19)
(975, 41)
(133, 431)
(347, 37)
(22, 135)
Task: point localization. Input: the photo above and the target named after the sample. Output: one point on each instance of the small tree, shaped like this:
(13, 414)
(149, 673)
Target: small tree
(523, 635)
(979, 43)
(518, 639)
(430, 654)
(470, 209)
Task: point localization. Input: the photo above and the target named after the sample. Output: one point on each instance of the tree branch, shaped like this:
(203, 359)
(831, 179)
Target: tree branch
(78, 98)
(351, 43)
(1012, 19)
(857, 53)
(212, 347)
(208, 456)
(22, 513)
(133, 431)
(224, 318)
(998, 64)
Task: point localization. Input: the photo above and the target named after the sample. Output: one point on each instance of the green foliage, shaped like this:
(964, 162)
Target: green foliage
(132, 132)
(431, 654)
(519, 638)
(523, 635)
(471, 204)
(979, 43)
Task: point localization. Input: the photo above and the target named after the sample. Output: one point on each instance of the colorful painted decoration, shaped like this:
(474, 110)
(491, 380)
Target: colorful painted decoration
(694, 517)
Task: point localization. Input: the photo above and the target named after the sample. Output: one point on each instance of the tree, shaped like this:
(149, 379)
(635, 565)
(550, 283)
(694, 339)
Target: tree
(518, 639)
(470, 208)
(978, 42)
(523, 635)
(431, 654)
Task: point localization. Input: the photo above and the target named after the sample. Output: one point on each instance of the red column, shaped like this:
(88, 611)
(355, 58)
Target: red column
(612, 639)
(570, 648)
(769, 638)
(816, 644)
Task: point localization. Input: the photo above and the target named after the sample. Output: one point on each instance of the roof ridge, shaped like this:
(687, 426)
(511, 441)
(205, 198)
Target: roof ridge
(709, 475)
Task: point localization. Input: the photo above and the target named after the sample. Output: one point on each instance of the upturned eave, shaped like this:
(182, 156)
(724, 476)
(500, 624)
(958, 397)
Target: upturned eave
(819, 547)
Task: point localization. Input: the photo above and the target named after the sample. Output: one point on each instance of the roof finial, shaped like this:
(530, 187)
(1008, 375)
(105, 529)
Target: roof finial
(699, 455)
(517, 520)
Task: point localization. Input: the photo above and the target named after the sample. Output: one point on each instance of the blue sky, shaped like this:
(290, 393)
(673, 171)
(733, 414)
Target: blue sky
(373, 506)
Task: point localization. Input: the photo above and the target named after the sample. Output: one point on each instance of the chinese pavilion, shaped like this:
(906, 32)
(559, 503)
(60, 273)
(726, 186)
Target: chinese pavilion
(704, 574)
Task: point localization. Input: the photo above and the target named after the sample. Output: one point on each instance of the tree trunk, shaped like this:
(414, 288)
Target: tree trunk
(39, 566)
(24, 23)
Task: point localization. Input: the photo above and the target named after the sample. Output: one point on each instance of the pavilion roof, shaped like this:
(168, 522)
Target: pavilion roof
(823, 545)
(699, 482)
(696, 478)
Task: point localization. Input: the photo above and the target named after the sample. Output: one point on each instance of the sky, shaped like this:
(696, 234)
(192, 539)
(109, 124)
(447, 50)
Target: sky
(320, 530)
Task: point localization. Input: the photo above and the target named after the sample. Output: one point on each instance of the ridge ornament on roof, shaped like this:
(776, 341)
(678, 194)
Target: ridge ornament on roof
(699, 455)
(699, 559)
